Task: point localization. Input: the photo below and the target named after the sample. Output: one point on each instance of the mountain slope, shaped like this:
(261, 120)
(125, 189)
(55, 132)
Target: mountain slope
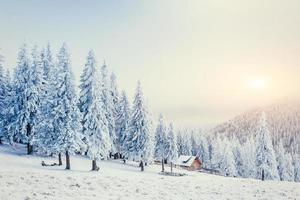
(283, 122)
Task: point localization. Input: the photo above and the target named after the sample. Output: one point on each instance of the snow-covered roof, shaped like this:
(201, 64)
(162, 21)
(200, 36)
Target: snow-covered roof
(185, 160)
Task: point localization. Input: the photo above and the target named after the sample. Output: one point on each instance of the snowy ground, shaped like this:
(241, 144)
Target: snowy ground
(22, 177)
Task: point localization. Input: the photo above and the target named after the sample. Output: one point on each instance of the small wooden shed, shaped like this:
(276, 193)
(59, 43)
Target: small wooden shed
(190, 163)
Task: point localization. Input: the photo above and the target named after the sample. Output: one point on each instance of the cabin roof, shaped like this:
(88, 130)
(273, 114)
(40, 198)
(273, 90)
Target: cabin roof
(185, 160)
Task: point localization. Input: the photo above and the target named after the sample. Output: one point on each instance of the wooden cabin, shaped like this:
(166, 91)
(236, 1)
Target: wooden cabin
(190, 163)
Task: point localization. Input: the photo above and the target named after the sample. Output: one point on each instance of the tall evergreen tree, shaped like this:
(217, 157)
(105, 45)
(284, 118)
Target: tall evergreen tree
(227, 162)
(3, 101)
(203, 152)
(139, 140)
(160, 141)
(171, 146)
(280, 157)
(186, 142)
(108, 106)
(194, 144)
(288, 172)
(179, 142)
(26, 91)
(122, 121)
(94, 122)
(63, 122)
(248, 158)
(237, 148)
(265, 155)
(296, 164)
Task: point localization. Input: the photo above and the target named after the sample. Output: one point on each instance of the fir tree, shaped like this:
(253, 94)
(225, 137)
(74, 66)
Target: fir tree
(227, 162)
(171, 146)
(288, 173)
(160, 141)
(94, 121)
(27, 100)
(122, 121)
(139, 140)
(203, 152)
(3, 101)
(248, 158)
(108, 106)
(265, 155)
(237, 148)
(186, 144)
(63, 122)
(280, 157)
(296, 164)
(194, 145)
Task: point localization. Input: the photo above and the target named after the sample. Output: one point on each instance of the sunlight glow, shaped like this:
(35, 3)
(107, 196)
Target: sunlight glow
(258, 84)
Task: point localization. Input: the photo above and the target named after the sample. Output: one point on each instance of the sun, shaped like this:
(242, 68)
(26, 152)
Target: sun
(258, 84)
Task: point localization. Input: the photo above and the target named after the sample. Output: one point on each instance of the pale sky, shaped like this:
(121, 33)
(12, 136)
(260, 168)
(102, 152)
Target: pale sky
(200, 62)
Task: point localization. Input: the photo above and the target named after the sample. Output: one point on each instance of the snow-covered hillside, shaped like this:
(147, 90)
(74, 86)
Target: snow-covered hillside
(23, 177)
(283, 122)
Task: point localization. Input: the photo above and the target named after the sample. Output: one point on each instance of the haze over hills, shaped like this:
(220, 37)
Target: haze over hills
(283, 122)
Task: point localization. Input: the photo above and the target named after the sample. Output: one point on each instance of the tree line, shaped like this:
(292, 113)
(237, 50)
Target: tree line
(42, 108)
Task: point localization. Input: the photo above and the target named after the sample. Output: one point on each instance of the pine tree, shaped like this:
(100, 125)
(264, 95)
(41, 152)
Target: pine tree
(248, 158)
(26, 91)
(171, 146)
(194, 145)
(296, 164)
(94, 122)
(139, 140)
(236, 148)
(227, 162)
(122, 121)
(179, 143)
(265, 155)
(47, 95)
(7, 107)
(215, 153)
(63, 122)
(108, 106)
(186, 142)
(288, 173)
(3, 101)
(280, 157)
(203, 152)
(160, 141)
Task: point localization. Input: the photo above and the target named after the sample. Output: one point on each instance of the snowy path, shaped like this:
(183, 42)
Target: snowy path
(22, 177)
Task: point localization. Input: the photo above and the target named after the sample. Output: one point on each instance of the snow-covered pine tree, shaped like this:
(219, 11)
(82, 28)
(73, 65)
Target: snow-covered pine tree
(7, 105)
(248, 157)
(288, 173)
(215, 147)
(108, 106)
(63, 122)
(280, 158)
(187, 147)
(26, 98)
(3, 101)
(114, 96)
(122, 121)
(179, 142)
(236, 148)
(227, 162)
(296, 164)
(203, 152)
(265, 155)
(139, 140)
(69, 116)
(194, 144)
(160, 141)
(46, 135)
(94, 122)
(171, 146)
